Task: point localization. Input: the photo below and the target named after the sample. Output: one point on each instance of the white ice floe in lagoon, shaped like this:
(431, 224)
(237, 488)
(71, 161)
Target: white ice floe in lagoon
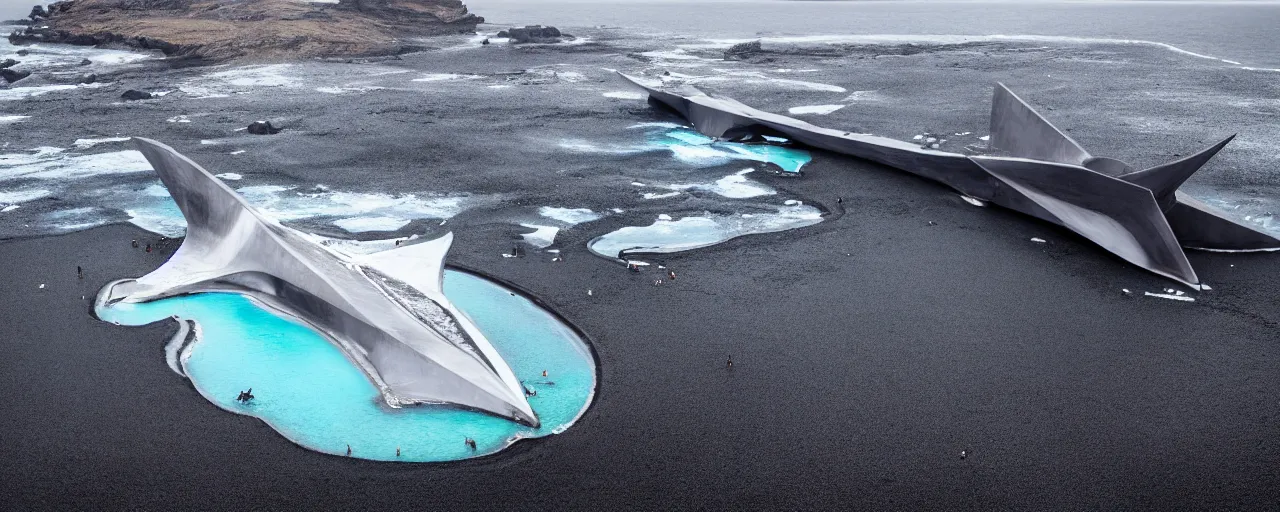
(624, 95)
(88, 143)
(733, 186)
(50, 163)
(659, 195)
(820, 110)
(9, 208)
(984, 137)
(570, 216)
(371, 223)
(237, 152)
(12, 119)
(1038, 240)
(312, 394)
(666, 235)
(973, 200)
(230, 175)
(542, 236)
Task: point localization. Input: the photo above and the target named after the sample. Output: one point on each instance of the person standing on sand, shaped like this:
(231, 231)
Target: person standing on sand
(348, 450)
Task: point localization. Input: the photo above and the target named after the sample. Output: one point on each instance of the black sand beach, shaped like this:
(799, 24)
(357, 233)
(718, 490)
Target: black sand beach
(870, 350)
(861, 371)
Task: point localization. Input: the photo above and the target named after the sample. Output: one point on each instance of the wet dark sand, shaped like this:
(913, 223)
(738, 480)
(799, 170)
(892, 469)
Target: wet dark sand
(868, 351)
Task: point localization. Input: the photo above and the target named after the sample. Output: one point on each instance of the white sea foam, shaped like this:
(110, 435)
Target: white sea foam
(821, 110)
(22, 93)
(570, 216)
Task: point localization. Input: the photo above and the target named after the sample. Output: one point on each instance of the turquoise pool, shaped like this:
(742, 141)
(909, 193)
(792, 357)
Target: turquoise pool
(312, 394)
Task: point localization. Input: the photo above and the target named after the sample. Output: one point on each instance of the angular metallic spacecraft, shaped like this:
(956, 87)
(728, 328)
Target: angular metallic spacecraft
(386, 310)
(1138, 215)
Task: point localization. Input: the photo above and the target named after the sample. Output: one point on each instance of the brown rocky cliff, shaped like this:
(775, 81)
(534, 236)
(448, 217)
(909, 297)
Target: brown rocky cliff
(231, 29)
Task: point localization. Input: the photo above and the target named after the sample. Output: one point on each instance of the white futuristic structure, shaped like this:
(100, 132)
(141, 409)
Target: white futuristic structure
(386, 310)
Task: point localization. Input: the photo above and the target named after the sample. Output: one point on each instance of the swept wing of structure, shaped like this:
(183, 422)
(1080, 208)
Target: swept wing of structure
(1138, 215)
(385, 310)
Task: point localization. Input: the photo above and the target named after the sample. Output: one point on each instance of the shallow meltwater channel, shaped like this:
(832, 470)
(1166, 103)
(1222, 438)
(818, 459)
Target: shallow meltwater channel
(307, 390)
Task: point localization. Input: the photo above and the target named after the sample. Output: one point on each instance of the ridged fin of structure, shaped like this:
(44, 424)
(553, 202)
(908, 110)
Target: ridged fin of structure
(1117, 215)
(1164, 180)
(230, 244)
(420, 265)
(1199, 226)
(1024, 133)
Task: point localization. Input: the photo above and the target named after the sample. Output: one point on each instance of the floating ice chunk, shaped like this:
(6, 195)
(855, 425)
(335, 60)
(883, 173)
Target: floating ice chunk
(179, 119)
(917, 137)
(378, 223)
(41, 286)
(792, 202)
(88, 143)
(9, 208)
(49, 163)
(733, 186)
(624, 95)
(1038, 240)
(238, 152)
(859, 95)
(12, 119)
(985, 137)
(570, 216)
(542, 236)
(973, 200)
(692, 232)
(963, 134)
(1182, 298)
(669, 126)
(638, 184)
(440, 77)
(230, 176)
(1205, 287)
(22, 196)
(616, 210)
(659, 195)
(821, 110)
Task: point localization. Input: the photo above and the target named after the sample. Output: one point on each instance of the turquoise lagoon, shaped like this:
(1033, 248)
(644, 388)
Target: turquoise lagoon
(312, 394)
(689, 145)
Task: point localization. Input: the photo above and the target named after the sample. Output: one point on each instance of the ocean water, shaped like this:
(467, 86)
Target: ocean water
(308, 391)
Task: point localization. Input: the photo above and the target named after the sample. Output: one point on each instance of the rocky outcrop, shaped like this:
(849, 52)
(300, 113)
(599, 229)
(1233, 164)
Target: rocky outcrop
(533, 34)
(743, 51)
(221, 30)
